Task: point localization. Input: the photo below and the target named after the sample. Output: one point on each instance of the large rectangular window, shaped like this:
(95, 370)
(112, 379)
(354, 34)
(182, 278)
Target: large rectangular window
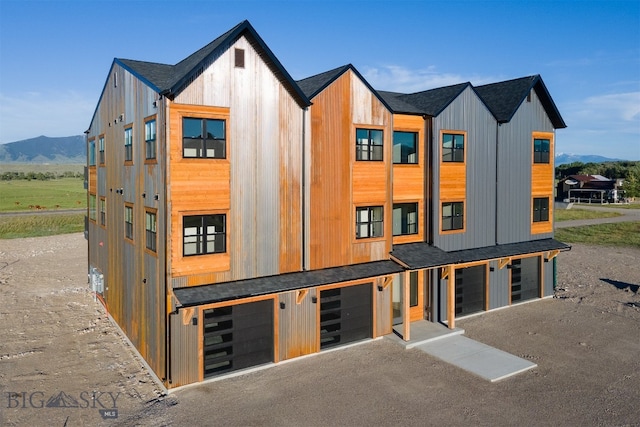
(128, 222)
(101, 149)
(369, 222)
(92, 152)
(151, 230)
(452, 216)
(204, 234)
(92, 207)
(128, 145)
(369, 144)
(452, 147)
(204, 138)
(540, 209)
(405, 147)
(405, 218)
(103, 211)
(541, 149)
(150, 139)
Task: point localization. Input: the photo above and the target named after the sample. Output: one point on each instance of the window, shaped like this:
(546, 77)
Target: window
(239, 58)
(128, 222)
(541, 149)
(405, 218)
(452, 147)
(128, 145)
(103, 211)
(540, 209)
(369, 222)
(150, 139)
(150, 227)
(101, 149)
(405, 147)
(413, 289)
(92, 152)
(203, 138)
(452, 216)
(369, 144)
(92, 207)
(204, 234)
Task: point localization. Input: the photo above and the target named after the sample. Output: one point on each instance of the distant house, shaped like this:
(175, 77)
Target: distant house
(588, 188)
(238, 217)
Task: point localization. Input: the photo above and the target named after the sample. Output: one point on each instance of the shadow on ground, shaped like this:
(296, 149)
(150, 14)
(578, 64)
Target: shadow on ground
(622, 285)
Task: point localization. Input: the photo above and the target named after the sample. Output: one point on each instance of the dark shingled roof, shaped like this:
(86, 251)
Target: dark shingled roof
(196, 295)
(431, 102)
(397, 104)
(169, 79)
(504, 98)
(421, 255)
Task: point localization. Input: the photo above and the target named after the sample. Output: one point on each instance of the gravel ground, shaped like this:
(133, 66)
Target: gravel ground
(59, 348)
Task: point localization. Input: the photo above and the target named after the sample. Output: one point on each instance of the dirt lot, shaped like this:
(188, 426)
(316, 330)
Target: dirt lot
(59, 349)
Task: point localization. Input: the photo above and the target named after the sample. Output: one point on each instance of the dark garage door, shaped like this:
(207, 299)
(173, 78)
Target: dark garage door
(525, 279)
(237, 337)
(470, 290)
(345, 315)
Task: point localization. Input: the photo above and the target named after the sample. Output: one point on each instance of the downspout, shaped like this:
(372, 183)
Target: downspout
(496, 185)
(304, 190)
(167, 258)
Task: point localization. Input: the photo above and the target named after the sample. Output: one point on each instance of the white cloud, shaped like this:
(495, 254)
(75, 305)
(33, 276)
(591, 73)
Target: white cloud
(54, 113)
(397, 78)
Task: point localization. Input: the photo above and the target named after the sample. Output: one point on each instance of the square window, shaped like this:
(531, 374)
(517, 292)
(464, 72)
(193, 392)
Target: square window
(369, 222)
(369, 145)
(405, 219)
(204, 234)
(452, 147)
(203, 138)
(540, 209)
(405, 147)
(452, 216)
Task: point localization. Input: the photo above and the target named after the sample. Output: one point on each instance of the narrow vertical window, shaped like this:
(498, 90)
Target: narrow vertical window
(239, 58)
(92, 207)
(151, 230)
(128, 222)
(150, 139)
(541, 149)
(103, 211)
(128, 145)
(101, 149)
(92, 152)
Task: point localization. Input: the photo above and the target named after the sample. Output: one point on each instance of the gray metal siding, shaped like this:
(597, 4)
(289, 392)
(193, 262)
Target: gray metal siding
(547, 278)
(185, 340)
(499, 288)
(468, 113)
(514, 172)
(298, 325)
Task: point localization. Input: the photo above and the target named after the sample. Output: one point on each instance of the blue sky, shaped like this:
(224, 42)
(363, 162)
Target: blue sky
(55, 55)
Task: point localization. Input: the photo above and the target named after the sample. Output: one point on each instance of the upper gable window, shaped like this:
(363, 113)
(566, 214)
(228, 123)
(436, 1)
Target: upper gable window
(203, 138)
(541, 149)
(369, 144)
(239, 58)
(452, 147)
(405, 147)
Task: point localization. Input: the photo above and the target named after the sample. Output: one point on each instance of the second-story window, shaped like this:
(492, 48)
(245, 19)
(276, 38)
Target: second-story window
(369, 144)
(452, 216)
(405, 147)
(204, 234)
(150, 139)
(103, 211)
(101, 149)
(540, 209)
(405, 218)
(541, 149)
(204, 138)
(92, 152)
(369, 222)
(452, 147)
(150, 230)
(128, 222)
(128, 145)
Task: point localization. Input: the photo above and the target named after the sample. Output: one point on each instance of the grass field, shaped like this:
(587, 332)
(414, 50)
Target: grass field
(23, 195)
(53, 168)
(12, 227)
(571, 214)
(617, 234)
(635, 205)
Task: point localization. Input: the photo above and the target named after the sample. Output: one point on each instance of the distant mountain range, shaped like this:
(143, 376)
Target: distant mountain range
(43, 149)
(72, 150)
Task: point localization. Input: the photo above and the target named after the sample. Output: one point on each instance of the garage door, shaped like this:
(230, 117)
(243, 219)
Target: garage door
(525, 279)
(237, 337)
(345, 315)
(470, 289)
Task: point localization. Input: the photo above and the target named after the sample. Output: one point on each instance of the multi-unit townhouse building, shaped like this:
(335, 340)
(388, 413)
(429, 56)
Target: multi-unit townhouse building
(238, 217)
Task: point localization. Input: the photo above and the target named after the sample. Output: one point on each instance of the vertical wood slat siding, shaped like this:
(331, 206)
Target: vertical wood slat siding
(263, 182)
(339, 183)
(137, 307)
(514, 172)
(409, 180)
(468, 113)
(383, 310)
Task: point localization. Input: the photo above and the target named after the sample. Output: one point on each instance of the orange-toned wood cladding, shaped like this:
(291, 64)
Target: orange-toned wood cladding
(542, 175)
(197, 186)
